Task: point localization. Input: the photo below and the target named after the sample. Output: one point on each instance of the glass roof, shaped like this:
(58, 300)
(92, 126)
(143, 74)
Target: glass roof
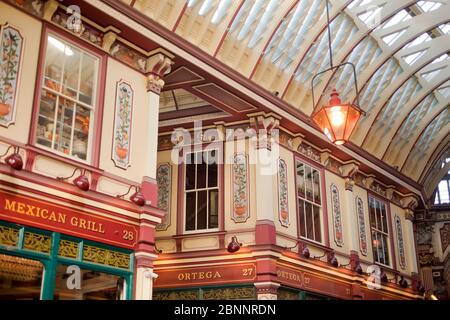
(400, 50)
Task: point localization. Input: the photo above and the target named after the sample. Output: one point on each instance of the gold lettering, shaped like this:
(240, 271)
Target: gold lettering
(100, 228)
(82, 224)
(10, 205)
(21, 207)
(61, 218)
(52, 216)
(181, 276)
(44, 213)
(74, 221)
(217, 275)
(201, 275)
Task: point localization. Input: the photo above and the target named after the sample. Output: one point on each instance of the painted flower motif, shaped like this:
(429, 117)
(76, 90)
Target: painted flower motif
(240, 198)
(361, 226)
(163, 178)
(10, 53)
(124, 101)
(283, 204)
(337, 217)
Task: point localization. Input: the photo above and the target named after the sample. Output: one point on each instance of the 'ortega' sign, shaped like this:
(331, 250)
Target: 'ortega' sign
(41, 214)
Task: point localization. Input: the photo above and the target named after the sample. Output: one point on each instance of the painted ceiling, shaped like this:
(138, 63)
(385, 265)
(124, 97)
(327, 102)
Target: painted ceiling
(400, 49)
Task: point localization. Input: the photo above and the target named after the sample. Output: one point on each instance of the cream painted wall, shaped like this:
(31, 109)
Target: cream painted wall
(30, 29)
(139, 156)
(165, 157)
(362, 193)
(331, 178)
(407, 237)
(292, 229)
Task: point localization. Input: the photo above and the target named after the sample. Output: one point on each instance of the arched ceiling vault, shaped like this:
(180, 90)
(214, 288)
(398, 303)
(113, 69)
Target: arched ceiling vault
(400, 49)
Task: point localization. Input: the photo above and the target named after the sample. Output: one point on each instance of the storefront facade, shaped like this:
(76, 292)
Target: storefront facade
(150, 168)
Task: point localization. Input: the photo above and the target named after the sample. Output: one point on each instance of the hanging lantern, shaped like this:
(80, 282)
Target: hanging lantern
(337, 120)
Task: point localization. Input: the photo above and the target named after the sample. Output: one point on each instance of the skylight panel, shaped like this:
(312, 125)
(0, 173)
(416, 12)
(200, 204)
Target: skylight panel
(370, 17)
(411, 58)
(441, 58)
(221, 11)
(399, 17)
(206, 6)
(428, 76)
(445, 28)
(254, 12)
(428, 6)
(421, 39)
(391, 38)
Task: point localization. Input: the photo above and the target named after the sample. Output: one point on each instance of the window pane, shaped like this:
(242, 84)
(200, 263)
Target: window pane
(201, 170)
(213, 209)
(62, 140)
(88, 79)
(94, 285)
(316, 180)
(300, 180)
(376, 246)
(372, 213)
(71, 74)
(384, 217)
(317, 225)
(54, 59)
(46, 119)
(190, 211)
(385, 249)
(308, 178)
(190, 171)
(212, 169)
(301, 210)
(309, 221)
(20, 278)
(201, 210)
(81, 132)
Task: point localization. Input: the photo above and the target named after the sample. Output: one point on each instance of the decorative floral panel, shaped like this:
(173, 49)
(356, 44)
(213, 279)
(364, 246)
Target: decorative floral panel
(106, 257)
(229, 293)
(400, 244)
(68, 249)
(122, 125)
(283, 204)
(9, 236)
(164, 180)
(361, 226)
(10, 56)
(176, 295)
(337, 217)
(37, 242)
(241, 210)
(445, 236)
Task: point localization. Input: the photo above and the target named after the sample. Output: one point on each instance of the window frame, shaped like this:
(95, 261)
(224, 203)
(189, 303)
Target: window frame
(181, 226)
(390, 239)
(95, 125)
(322, 208)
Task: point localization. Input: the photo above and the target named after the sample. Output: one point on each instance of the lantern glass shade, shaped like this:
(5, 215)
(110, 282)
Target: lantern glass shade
(337, 120)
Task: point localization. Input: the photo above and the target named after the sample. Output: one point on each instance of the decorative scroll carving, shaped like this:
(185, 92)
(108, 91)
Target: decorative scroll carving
(229, 294)
(68, 249)
(283, 203)
(11, 44)
(445, 236)
(122, 125)
(158, 65)
(400, 244)
(241, 211)
(361, 226)
(9, 236)
(37, 242)
(164, 180)
(337, 217)
(309, 152)
(32, 6)
(266, 129)
(106, 257)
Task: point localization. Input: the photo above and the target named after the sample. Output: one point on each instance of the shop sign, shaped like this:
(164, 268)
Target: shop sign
(42, 214)
(290, 277)
(205, 275)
